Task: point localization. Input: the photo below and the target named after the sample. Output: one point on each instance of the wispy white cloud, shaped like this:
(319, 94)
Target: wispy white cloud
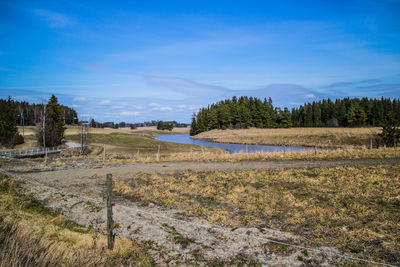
(181, 106)
(54, 19)
(163, 108)
(184, 86)
(194, 107)
(344, 84)
(80, 98)
(24, 98)
(126, 113)
(309, 96)
(105, 102)
(153, 104)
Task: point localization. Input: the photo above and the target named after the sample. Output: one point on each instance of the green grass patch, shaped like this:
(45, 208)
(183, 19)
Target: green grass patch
(139, 143)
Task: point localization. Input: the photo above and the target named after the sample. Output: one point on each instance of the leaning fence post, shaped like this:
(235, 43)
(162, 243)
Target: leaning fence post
(110, 222)
(9, 190)
(45, 155)
(158, 152)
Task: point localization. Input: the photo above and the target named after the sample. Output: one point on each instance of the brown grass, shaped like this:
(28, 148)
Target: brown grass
(96, 157)
(355, 209)
(311, 137)
(30, 235)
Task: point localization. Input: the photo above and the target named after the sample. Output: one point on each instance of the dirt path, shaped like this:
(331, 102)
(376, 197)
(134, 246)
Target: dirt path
(78, 193)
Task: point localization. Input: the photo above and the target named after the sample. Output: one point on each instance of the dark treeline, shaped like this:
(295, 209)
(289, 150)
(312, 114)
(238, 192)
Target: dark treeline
(175, 124)
(165, 126)
(346, 112)
(240, 112)
(245, 112)
(123, 124)
(31, 114)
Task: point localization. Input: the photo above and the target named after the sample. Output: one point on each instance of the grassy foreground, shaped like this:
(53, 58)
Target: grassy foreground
(355, 209)
(31, 235)
(311, 137)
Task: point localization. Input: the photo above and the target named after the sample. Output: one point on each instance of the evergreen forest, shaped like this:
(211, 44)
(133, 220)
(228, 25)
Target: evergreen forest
(245, 112)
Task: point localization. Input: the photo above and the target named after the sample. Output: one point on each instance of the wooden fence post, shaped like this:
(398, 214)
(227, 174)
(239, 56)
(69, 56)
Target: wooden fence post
(158, 153)
(110, 222)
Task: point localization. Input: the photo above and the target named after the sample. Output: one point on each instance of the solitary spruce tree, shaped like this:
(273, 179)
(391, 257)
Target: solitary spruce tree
(54, 124)
(8, 125)
(390, 133)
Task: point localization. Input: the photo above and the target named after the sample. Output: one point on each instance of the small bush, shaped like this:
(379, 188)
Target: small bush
(18, 139)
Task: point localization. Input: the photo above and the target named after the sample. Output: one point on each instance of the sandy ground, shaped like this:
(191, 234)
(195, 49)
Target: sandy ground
(79, 194)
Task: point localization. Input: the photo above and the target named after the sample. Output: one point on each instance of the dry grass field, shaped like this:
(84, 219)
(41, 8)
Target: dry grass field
(311, 137)
(355, 209)
(212, 156)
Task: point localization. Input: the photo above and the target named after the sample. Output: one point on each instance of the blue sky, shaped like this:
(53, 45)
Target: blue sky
(141, 60)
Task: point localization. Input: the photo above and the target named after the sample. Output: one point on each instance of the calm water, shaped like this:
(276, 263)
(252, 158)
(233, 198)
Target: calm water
(232, 148)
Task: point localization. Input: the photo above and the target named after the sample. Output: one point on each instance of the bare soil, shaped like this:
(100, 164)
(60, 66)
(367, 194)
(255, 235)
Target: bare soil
(79, 194)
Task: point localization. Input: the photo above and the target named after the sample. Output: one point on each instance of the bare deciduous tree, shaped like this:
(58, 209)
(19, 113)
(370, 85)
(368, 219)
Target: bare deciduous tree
(84, 137)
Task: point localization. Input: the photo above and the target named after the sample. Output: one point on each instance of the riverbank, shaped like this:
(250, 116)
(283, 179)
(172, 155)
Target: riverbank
(305, 137)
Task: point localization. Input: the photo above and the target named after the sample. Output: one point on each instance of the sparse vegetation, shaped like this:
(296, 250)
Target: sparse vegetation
(31, 235)
(356, 209)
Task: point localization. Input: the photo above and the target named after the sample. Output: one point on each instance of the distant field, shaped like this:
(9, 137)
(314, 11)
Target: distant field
(139, 143)
(320, 137)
